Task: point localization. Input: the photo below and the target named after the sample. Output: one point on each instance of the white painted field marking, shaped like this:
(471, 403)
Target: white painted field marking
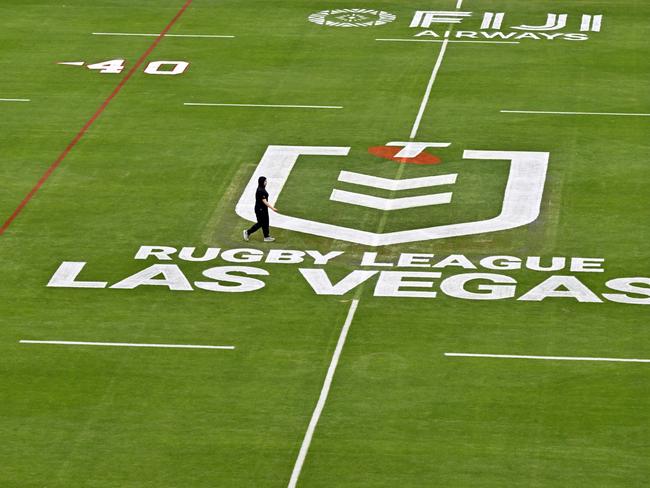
(449, 40)
(72, 63)
(323, 396)
(156, 35)
(436, 68)
(388, 204)
(397, 185)
(526, 177)
(126, 344)
(547, 358)
(259, 105)
(15, 100)
(628, 114)
(427, 93)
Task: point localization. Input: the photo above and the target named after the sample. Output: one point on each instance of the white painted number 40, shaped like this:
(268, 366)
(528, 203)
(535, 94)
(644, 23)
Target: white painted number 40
(114, 66)
(110, 66)
(166, 67)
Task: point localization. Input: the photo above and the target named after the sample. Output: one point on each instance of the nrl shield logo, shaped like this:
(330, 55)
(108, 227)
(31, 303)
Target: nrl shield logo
(351, 17)
(521, 199)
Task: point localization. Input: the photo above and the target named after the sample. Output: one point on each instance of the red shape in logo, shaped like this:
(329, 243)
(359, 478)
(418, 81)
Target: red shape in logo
(389, 152)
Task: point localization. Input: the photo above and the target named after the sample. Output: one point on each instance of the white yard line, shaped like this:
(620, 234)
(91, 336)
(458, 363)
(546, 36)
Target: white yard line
(448, 40)
(627, 114)
(547, 358)
(436, 68)
(126, 344)
(323, 396)
(259, 105)
(156, 35)
(427, 93)
(434, 73)
(15, 100)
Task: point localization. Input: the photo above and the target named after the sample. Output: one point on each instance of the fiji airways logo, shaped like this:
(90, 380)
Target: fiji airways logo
(521, 199)
(351, 17)
(483, 25)
(493, 24)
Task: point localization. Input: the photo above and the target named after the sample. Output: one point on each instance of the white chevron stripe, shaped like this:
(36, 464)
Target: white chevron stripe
(396, 185)
(389, 203)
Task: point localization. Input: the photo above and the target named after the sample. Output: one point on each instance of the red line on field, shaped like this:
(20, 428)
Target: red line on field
(91, 121)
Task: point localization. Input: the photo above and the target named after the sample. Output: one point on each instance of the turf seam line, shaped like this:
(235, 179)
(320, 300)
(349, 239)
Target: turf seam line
(304, 448)
(92, 120)
(547, 358)
(126, 344)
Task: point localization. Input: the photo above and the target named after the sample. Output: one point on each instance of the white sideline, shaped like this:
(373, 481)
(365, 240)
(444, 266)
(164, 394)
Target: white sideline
(323, 397)
(258, 105)
(15, 100)
(547, 358)
(126, 344)
(156, 35)
(449, 40)
(629, 114)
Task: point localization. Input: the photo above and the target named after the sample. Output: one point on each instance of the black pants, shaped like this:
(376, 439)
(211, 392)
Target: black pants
(262, 216)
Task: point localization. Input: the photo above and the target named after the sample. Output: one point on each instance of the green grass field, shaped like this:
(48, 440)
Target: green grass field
(147, 170)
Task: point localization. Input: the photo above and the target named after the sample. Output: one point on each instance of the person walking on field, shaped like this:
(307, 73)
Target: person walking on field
(262, 207)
